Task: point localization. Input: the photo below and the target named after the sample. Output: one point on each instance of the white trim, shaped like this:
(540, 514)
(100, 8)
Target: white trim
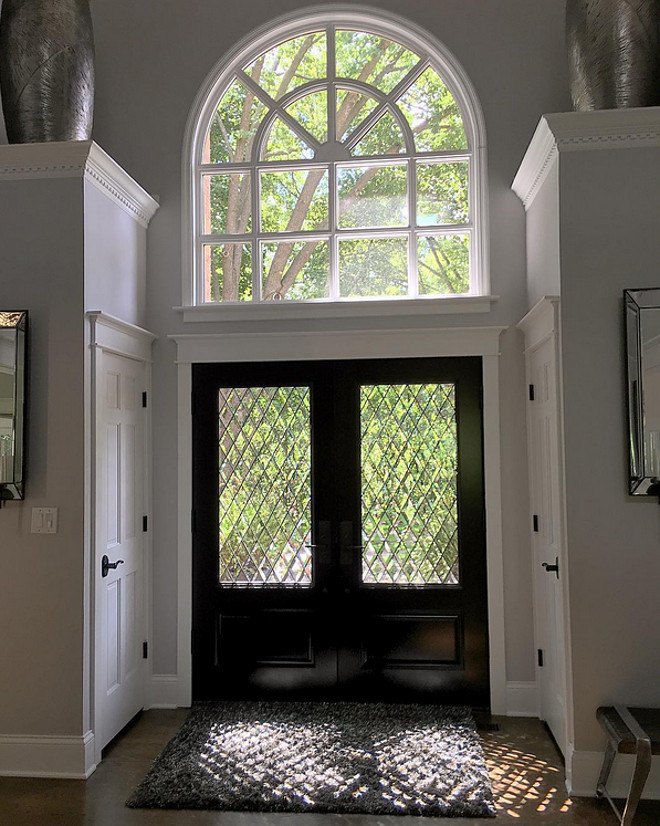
(337, 344)
(582, 768)
(120, 337)
(184, 570)
(351, 15)
(476, 341)
(540, 322)
(580, 131)
(299, 310)
(522, 699)
(47, 756)
(78, 159)
(163, 691)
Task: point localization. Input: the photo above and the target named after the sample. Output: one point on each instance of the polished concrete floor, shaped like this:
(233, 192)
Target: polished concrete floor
(525, 767)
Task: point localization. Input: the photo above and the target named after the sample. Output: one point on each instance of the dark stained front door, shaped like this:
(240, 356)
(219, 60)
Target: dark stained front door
(339, 536)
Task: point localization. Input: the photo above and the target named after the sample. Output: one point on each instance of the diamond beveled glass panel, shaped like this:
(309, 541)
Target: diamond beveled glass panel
(264, 495)
(409, 470)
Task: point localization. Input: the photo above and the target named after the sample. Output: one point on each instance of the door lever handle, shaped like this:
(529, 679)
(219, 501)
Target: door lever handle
(550, 567)
(106, 565)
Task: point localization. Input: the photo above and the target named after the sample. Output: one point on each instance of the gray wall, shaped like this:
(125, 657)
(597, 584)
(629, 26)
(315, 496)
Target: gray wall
(41, 576)
(613, 539)
(152, 57)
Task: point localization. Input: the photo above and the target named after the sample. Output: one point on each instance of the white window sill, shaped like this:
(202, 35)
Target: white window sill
(298, 310)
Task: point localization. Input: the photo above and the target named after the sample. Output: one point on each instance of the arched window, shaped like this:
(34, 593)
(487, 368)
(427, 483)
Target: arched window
(336, 156)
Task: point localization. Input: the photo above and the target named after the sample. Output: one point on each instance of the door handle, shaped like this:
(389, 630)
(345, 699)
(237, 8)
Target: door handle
(322, 547)
(550, 567)
(106, 565)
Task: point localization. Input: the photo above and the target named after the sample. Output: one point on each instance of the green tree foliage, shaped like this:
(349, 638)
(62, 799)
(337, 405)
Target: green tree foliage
(369, 196)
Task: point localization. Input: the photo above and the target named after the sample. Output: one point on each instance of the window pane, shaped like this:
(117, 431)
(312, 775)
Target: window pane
(312, 113)
(227, 272)
(442, 193)
(409, 466)
(373, 196)
(444, 264)
(233, 126)
(264, 500)
(294, 200)
(290, 64)
(226, 203)
(384, 138)
(372, 59)
(282, 144)
(352, 108)
(296, 270)
(373, 267)
(433, 114)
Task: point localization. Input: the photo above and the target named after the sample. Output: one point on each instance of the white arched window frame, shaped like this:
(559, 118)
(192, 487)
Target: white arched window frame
(431, 52)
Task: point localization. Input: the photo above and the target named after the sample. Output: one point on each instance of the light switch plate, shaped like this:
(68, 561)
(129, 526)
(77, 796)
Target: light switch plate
(44, 520)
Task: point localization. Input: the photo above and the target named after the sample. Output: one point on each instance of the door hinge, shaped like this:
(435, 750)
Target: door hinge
(539, 654)
(535, 523)
(532, 393)
(145, 650)
(145, 524)
(144, 398)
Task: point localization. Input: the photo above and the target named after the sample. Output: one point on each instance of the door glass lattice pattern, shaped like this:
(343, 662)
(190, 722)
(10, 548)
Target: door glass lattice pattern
(264, 441)
(409, 467)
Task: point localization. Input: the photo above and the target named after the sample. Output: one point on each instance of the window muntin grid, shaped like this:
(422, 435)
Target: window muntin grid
(385, 129)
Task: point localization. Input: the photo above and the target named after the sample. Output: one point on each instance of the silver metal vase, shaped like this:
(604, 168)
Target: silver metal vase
(613, 53)
(47, 70)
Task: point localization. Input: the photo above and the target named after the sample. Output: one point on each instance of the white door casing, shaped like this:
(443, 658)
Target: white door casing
(547, 521)
(121, 499)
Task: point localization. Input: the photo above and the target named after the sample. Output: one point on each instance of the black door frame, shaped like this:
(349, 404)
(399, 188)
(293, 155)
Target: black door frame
(470, 488)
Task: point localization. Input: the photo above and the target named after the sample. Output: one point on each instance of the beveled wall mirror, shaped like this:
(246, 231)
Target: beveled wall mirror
(13, 346)
(642, 324)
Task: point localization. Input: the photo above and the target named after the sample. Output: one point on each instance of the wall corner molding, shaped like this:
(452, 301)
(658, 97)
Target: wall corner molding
(63, 757)
(582, 131)
(78, 159)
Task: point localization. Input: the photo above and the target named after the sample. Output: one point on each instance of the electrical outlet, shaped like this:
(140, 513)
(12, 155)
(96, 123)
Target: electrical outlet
(44, 520)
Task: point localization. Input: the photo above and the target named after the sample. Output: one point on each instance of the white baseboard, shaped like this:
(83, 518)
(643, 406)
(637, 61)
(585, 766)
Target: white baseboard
(163, 691)
(522, 699)
(69, 758)
(583, 767)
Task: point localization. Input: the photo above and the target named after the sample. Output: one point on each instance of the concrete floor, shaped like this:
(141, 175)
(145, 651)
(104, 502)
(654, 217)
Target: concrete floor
(525, 767)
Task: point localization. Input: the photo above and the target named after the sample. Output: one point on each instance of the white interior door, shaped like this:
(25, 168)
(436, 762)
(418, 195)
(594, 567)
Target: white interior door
(120, 590)
(545, 491)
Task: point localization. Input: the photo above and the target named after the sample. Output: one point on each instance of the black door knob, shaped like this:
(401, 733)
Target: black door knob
(106, 564)
(550, 567)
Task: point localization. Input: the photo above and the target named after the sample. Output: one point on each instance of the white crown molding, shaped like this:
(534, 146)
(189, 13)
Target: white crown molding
(583, 131)
(78, 159)
(47, 756)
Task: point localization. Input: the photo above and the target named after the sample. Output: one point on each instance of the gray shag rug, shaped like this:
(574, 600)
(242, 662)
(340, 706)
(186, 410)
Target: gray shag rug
(367, 758)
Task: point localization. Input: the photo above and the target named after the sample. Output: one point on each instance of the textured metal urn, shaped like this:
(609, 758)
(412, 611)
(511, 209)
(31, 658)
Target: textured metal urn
(47, 70)
(613, 53)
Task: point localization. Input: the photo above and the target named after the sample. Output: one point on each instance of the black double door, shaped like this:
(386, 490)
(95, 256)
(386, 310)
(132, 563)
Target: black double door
(339, 531)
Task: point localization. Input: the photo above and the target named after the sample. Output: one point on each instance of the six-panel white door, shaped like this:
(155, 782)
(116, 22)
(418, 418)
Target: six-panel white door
(545, 487)
(120, 594)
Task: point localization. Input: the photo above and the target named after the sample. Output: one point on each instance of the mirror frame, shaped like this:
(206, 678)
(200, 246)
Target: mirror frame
(643, 479)
(14, 487)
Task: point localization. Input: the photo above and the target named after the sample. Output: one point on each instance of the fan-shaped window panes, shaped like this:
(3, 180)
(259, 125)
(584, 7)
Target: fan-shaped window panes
(336, 164)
